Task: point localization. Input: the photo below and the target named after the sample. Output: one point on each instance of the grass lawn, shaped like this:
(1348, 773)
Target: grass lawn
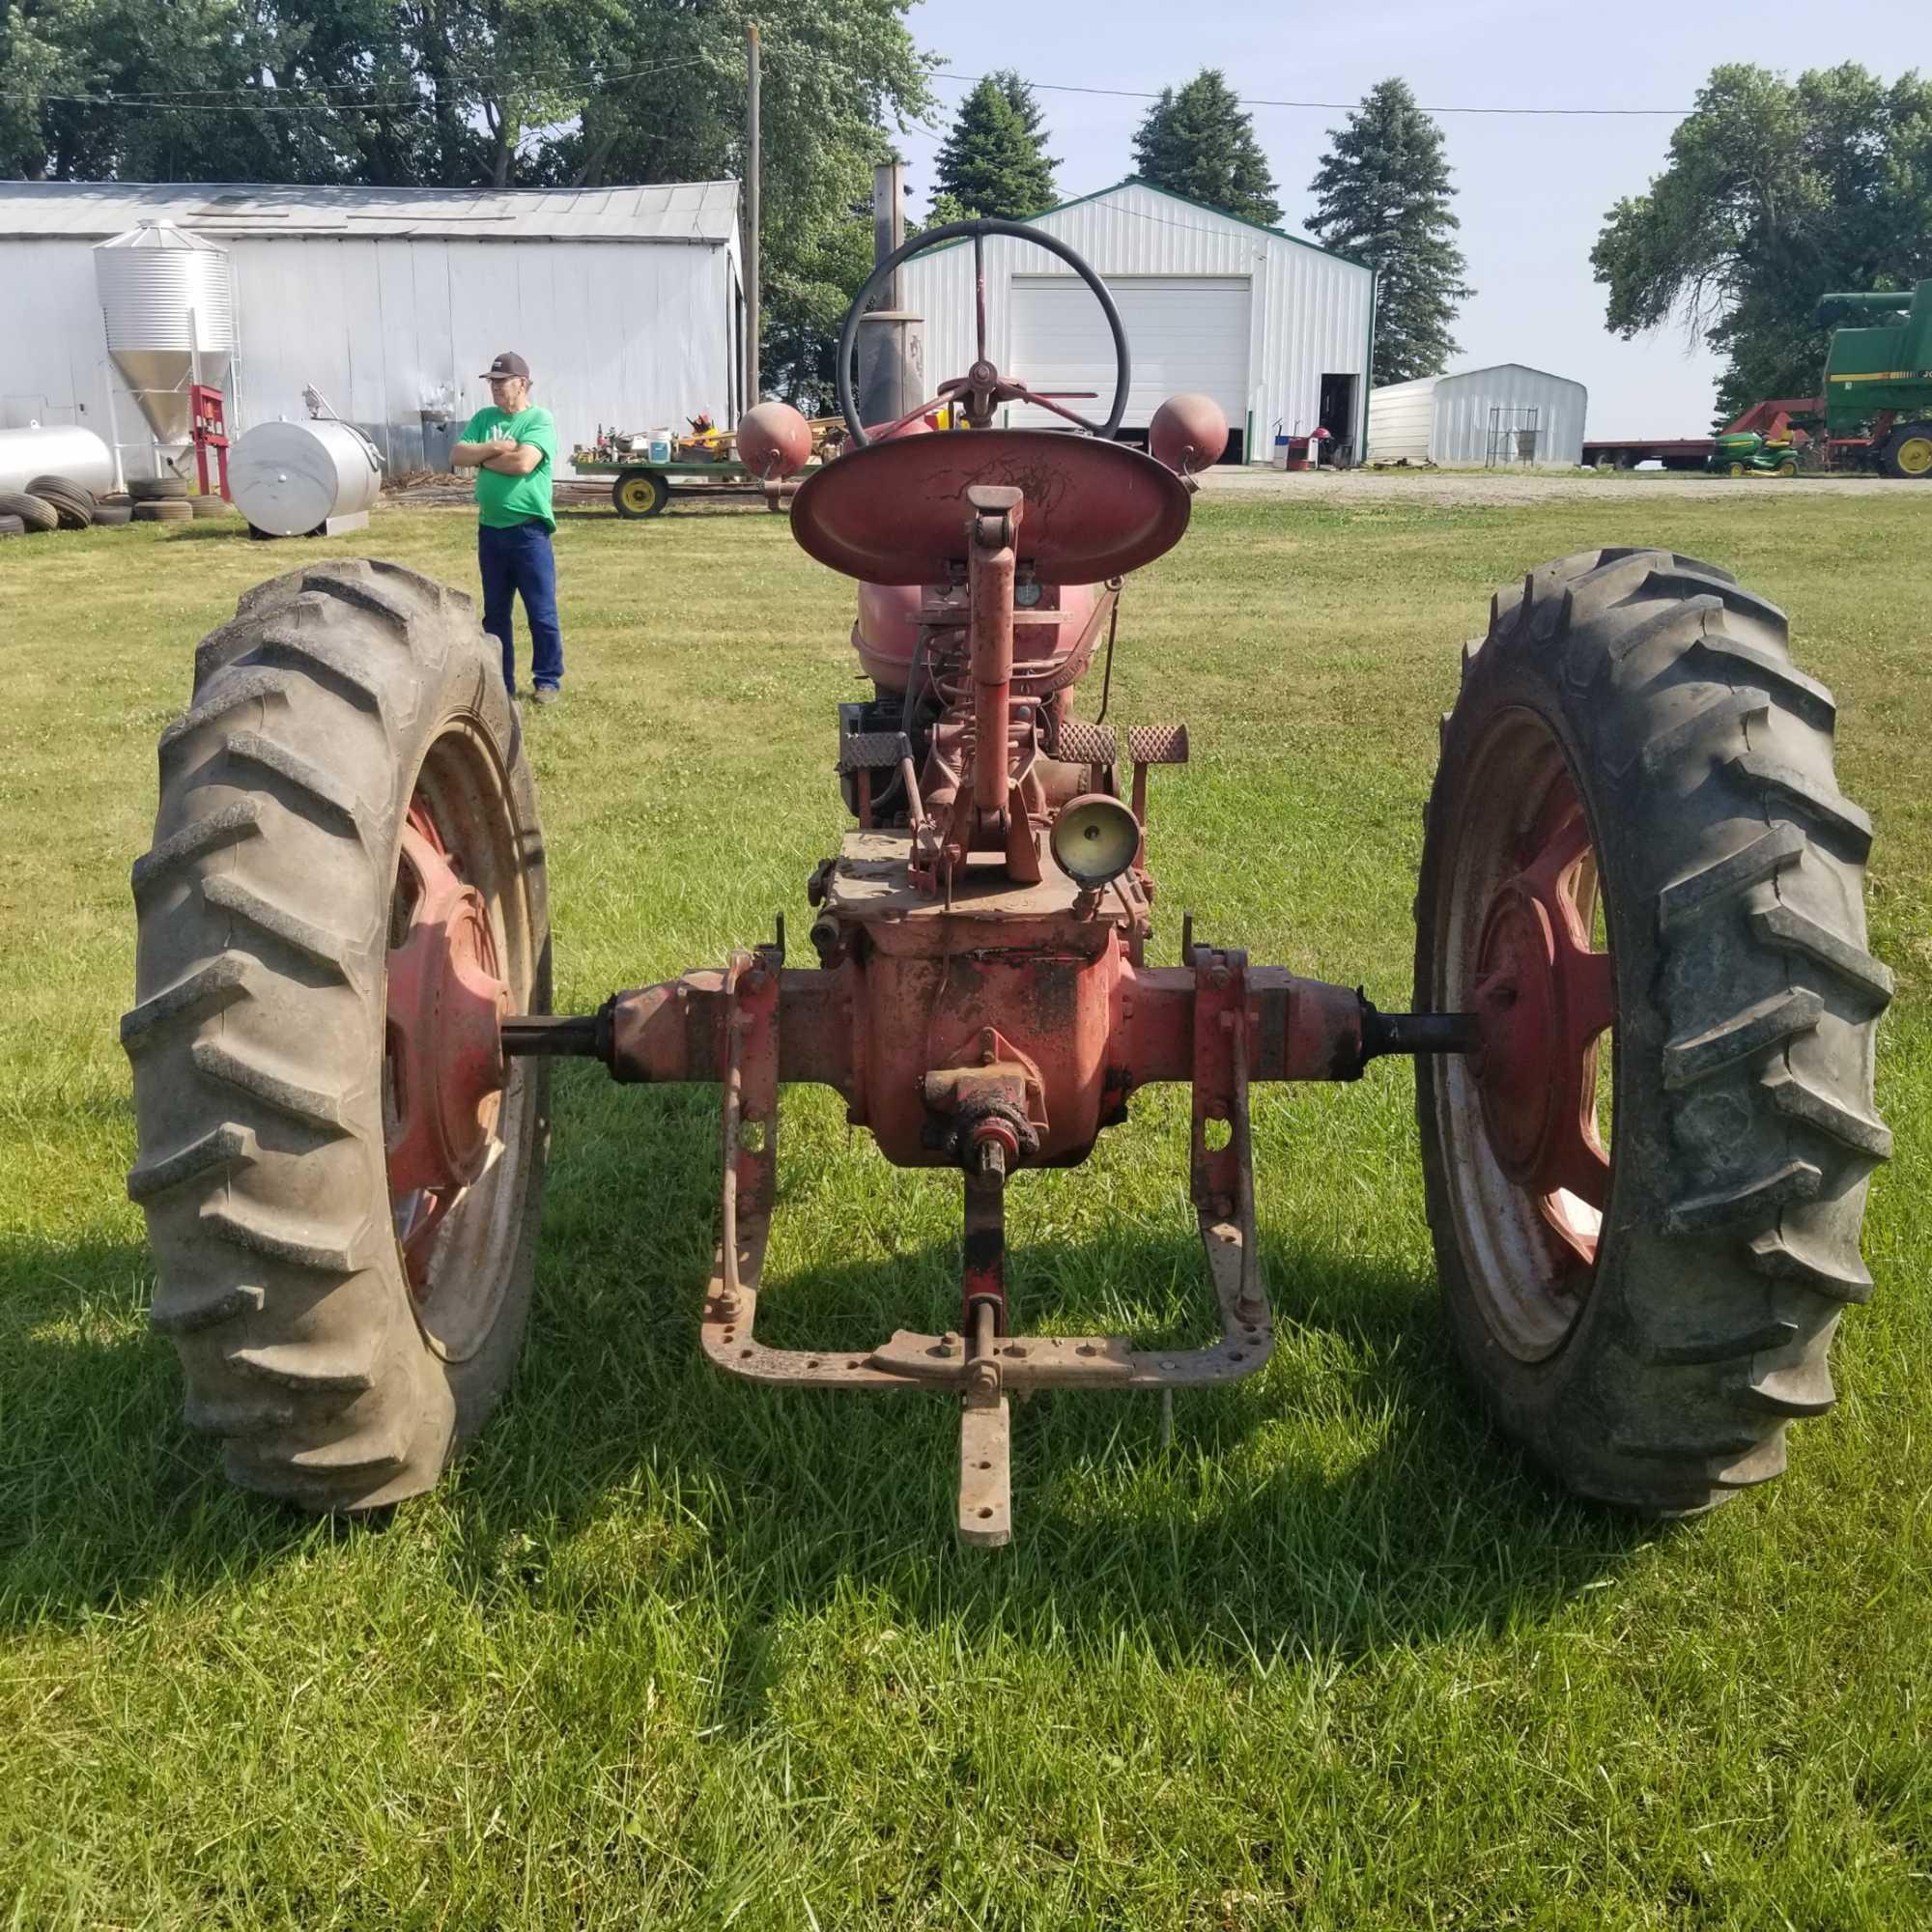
(668, 1651)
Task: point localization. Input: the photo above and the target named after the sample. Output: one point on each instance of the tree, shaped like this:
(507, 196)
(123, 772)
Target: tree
(1382, 194)
(1199, 143)
(994, 161)
(1775, 194)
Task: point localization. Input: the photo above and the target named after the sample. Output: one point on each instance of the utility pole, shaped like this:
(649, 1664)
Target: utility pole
(751, 164)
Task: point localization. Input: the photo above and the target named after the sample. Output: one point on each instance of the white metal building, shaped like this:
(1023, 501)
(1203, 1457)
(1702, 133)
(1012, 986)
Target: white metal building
(1504, 415)
(625, 300)
(1274, 329)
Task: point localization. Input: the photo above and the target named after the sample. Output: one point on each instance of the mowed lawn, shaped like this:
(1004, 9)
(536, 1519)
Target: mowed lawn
(669, 1651)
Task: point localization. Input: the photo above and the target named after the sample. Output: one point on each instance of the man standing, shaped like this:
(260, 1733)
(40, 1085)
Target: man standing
(512, 448)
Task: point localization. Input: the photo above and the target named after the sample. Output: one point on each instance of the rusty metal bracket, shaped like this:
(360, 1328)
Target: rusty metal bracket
(983, 1367)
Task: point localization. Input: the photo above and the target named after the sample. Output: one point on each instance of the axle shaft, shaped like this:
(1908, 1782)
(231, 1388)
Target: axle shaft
(1418, 1033)
(586, 1035)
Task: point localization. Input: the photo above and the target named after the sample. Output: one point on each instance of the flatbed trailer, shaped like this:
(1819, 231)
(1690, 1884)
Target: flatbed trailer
(644, 488)
(1684, 452)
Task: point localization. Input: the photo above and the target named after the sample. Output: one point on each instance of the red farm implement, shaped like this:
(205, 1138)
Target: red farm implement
(1636, 857)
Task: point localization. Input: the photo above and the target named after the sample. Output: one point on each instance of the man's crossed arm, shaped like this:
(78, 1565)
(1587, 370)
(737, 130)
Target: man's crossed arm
(504, 455)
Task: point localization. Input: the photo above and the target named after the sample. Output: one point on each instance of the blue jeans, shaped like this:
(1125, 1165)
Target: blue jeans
(519, 562)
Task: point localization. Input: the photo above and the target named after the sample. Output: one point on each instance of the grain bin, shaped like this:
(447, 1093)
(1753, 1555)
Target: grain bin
(167, 296)
(292, 479)
(55, 449)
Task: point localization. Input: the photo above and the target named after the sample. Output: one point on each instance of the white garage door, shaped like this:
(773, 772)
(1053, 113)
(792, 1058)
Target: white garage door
(1183, 332)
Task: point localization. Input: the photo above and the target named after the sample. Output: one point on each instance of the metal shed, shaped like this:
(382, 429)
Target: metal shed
(626, 300)
(1276, 329)
(1505, 415)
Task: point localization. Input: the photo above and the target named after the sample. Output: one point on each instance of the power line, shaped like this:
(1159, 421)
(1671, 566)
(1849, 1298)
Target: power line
(1324, 106)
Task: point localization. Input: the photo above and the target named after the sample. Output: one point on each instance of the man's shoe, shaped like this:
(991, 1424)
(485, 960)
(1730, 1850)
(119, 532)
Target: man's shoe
(546, 694)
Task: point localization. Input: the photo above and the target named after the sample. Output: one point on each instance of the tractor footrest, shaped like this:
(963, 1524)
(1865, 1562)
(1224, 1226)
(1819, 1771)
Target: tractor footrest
(872, 751)
(1082, 744)
(1158, 743)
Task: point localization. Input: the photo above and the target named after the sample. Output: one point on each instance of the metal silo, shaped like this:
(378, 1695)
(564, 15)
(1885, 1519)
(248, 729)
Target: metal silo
(167, 296)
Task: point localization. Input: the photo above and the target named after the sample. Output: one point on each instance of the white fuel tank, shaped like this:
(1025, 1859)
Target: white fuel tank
(55, 449)
(289, 478)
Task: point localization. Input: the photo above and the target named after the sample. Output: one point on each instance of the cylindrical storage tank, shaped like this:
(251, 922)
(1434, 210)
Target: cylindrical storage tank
(55, 449)
(289, 478)
(165, 297)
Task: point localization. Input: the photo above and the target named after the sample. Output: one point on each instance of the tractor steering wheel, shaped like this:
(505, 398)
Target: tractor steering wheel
(982, 386)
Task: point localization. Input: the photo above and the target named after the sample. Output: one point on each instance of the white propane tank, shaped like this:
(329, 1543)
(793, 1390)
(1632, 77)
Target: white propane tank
(292, 478)
(55, 449)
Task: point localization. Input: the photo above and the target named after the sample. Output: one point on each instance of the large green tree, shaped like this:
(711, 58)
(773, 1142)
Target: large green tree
(1382, 194)
(994, 160)
(1199, 141)
(1775, 192)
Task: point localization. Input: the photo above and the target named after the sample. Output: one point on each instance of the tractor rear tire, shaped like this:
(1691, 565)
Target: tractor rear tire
(340, 698)
(1908, 452)
(1663, 1375)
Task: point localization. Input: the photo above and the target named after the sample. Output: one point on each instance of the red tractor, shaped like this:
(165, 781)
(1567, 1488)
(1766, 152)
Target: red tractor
(1635, 856)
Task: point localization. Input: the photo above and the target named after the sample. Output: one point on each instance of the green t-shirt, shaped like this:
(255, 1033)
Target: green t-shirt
(504, 501)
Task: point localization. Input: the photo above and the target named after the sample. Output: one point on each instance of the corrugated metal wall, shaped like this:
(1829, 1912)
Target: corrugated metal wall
(1400, 418)
(1463, 403)
(1309, 315)
(636, 333)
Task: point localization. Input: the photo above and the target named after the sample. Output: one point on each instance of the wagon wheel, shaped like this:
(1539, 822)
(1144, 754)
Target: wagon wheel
(1636, 857)
(639, 493)
(340, 1174)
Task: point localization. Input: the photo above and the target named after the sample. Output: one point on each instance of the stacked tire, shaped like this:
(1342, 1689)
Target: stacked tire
(62, 503)
(34, 514)
(72, 503)
(164, 510)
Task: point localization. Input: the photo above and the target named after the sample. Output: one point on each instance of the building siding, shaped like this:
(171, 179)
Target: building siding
(1401, 417)
(1308, 316)
(1445, 419)
(636, 333)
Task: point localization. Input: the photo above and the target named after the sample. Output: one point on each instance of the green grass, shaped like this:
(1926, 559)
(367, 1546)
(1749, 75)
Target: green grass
(669, 1651)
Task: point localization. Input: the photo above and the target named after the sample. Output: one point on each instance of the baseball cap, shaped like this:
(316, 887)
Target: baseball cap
(507, 364)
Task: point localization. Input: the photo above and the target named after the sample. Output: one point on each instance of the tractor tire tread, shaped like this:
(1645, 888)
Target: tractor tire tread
(1746, 1130)
(255, 1031)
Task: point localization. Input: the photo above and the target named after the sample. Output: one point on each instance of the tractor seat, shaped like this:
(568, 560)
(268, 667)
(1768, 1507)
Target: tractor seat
(896, 512)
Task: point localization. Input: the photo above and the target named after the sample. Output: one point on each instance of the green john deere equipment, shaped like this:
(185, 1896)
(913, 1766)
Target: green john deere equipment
(1747, 453)
(1878, 380)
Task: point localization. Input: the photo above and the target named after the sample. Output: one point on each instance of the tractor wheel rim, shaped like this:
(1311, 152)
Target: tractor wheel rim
(1914, 455)
(639, 493)
(455, 1114)
(445, 1007)
(1533, 1185)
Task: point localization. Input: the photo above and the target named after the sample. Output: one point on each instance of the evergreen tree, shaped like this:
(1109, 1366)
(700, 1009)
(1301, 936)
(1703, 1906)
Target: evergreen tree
(994, 160)
(1198, 142)
(1382, 195)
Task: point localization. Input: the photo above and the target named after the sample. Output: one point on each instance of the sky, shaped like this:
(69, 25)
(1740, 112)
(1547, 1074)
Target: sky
(1532, 191)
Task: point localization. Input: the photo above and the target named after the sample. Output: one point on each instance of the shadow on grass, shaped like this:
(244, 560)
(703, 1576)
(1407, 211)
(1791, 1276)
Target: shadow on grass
(1346, 1500)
